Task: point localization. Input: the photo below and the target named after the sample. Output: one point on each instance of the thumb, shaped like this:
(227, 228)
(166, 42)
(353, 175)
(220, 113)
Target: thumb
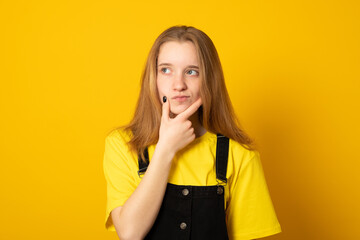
(165, 108)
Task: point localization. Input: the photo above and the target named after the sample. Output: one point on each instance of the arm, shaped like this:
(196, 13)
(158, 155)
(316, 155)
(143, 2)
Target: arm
(135, 218)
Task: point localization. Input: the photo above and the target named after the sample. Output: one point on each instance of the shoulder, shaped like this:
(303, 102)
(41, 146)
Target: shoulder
(241, 151)
(119, 134)
(116, 143)
(241, 159)
(118, 138)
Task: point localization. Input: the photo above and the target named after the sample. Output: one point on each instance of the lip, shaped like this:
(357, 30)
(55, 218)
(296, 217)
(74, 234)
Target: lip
(180, 98)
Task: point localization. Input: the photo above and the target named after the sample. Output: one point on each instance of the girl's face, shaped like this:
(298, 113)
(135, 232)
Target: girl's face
(178, 75)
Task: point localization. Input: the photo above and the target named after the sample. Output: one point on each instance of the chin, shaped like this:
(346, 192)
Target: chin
(178, 110)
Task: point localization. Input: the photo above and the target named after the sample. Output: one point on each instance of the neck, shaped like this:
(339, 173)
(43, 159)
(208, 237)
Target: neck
(198, 128)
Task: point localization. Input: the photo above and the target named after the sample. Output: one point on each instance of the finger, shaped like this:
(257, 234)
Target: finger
(191, 110)
(165, 108)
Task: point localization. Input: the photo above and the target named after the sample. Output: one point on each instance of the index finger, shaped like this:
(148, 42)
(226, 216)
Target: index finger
(191, 110)
(165, 108)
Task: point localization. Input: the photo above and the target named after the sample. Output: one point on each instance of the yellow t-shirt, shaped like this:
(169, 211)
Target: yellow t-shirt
(249, 210)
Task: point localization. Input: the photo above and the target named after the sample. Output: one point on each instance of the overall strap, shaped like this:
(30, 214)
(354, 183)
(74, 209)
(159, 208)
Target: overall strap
(222, 153)
(143, 165)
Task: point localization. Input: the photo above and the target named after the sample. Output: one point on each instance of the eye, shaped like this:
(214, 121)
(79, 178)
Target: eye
(165, 70)
(193, 72)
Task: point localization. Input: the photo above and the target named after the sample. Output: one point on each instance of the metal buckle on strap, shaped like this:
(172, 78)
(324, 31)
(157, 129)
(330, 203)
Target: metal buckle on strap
(221, 182)
(141, 172)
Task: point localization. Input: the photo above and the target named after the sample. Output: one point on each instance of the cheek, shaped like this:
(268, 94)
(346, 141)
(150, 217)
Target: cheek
(161, 86)
(196, 88)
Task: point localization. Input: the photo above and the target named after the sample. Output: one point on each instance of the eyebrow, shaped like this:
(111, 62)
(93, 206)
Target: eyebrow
(169, 64)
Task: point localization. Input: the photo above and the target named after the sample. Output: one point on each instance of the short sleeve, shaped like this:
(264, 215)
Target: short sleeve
(118, 166)
(250, 213)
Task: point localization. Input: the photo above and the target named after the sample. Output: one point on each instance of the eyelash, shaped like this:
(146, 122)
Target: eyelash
(162, 70)
(197, 73)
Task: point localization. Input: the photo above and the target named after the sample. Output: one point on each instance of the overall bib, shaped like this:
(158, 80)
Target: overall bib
(193, 212)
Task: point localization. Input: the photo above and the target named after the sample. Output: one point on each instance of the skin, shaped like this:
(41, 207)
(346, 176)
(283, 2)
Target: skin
(179, 127)
(178, 78)
(178, 75)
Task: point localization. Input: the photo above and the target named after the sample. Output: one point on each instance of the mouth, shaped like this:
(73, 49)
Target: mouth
(180, 98)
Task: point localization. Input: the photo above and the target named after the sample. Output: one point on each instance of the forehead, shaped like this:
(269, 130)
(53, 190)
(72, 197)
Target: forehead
(174, 52)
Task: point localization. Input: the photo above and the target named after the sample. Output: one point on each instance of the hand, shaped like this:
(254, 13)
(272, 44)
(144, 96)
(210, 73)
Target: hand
(175, 133)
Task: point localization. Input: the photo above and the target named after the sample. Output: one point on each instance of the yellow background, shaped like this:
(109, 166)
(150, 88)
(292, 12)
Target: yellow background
(70, 73)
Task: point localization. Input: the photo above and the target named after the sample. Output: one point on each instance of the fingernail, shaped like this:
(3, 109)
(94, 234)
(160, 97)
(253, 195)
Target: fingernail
(164, 99)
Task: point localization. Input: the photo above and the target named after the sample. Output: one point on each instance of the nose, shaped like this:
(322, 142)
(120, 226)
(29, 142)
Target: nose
(179, 83)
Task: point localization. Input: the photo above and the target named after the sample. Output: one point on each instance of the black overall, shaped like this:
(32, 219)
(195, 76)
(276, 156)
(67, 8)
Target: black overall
(193, 212)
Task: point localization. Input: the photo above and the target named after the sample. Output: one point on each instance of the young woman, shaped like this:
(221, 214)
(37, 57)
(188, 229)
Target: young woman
(183, 168)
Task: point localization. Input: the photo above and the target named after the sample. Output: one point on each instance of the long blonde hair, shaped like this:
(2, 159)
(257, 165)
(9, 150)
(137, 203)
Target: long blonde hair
(216, 113)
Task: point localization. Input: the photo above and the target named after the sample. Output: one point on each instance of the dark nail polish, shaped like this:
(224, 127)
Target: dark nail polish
(164, 99)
